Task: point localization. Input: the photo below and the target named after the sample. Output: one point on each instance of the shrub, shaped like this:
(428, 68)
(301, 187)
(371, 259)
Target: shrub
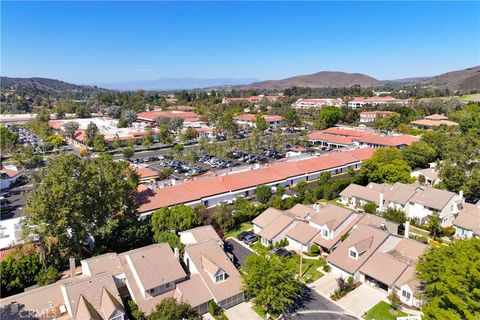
(370, 207)
(47, 276)
(449, 231)
(345, 236)
(422, 240)
(213, 308)
(394, 300)
(314, 249)
(327, 268)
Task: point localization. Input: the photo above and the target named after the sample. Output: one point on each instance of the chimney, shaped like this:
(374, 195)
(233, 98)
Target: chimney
(72, 268)
(380, 203)
(407, 228)
(176, 252)
(461, 195)
(317, 207)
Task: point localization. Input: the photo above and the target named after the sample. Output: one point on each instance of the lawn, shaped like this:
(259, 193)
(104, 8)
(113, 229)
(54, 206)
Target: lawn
(243, 227)
(309, 267)
(262, 312)
(383, 311)
(471, 97)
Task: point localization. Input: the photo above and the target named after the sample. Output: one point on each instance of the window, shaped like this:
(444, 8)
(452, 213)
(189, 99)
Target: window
(353, 254)
(167, 285)
(219, 277)
(406, 294)
(325, 233)
(119, 316)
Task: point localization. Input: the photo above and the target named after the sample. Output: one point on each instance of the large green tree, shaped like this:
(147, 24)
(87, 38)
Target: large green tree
(170, 309)
(177, 218)
(8, 140)
(386, 165)
(450, 276)
(419, 154)
(73, 199)
(272, 282)
(328, 117)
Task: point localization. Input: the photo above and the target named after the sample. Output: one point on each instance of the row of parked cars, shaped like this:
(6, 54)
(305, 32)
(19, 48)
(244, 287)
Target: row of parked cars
(183, 168)
(216, 162)
(26, 137)
(250, 238)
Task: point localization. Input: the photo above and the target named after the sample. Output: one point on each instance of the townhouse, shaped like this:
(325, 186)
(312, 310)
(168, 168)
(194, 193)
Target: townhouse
(146, 275)
(336, 138)
(359, 102)
(467, 223)
(433, 121)
(317, 103)
(372, 116)
(252, 99)
(417, 201)
(428, 176)
(249, 120)
(213, 190)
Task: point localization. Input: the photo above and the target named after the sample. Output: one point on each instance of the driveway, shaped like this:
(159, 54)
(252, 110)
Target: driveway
(242, 311)
(318, 307)
(325, 285)
(239, 250)
(362, 299)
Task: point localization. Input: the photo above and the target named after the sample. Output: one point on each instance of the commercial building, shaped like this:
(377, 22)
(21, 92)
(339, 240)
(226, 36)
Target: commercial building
(372, 116)
(359, 102)
(249, 120)
(317, 103)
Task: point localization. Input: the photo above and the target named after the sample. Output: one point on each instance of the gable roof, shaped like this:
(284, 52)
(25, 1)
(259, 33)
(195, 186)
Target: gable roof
(384, 268)
(361, 192)
(203, 233)
(193, 291)
(469, 218)
(302, 211)
(302, 232)
(365, 239)
(210, 250)
(332, 216)
(210, 266)
(266, 217)
(432, 197)
(275, 227)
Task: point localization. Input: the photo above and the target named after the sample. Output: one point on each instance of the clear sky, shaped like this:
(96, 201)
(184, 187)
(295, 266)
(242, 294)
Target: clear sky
(95, 42)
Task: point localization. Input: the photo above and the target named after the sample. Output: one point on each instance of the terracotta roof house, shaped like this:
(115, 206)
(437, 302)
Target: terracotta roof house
(213, 190)
(372, 116)
(217, 272)
(273, 121)
(72, 298)
(146, 174)
(355, 250)
(8, 176)
(433, 121)
(199, 235)
(317, 103)
(359, 102)
(467, 223)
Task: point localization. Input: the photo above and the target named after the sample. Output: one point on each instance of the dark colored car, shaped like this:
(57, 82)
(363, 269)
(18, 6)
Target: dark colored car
(282, 252)
(251, 238)
(227, 246)
(243, 234)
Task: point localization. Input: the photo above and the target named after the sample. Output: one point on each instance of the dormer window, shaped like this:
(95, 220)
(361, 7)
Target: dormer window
(353, 254)
(220, 277)
(325, 233)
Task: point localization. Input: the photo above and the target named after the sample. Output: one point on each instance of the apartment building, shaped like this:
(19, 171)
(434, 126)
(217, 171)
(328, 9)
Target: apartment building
(249, 120)
(372, 116)
(317, 103)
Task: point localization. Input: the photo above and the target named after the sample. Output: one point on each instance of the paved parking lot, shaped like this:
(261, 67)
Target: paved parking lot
(239, 251)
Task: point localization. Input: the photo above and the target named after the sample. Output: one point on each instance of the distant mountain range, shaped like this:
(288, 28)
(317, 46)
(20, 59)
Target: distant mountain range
(466, 79)
(175, 83)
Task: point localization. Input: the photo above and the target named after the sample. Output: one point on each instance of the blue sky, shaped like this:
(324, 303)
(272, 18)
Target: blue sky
(98, 42)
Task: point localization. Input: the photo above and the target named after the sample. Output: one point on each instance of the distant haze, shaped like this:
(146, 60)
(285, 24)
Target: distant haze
(175, 83)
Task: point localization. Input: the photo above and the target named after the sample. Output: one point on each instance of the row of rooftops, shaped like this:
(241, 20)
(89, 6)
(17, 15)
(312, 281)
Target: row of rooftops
(95, 294)
(195, 190)
(348, 137)
(248, 117)
(434, 120)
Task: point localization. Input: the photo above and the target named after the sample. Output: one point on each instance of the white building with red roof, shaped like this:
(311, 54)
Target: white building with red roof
(359, 102)
(9, 174)
(372, 116)
(252, 99)
(317, 103)
(248, 120)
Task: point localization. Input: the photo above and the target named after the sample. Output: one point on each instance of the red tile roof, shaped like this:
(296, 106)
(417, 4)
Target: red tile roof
(153, 115)
(347, 136)
(252, 117)
(330, 138)
(197, 189)
(145, 173)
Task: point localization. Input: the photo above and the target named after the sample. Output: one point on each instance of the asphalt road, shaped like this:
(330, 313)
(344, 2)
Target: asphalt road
(239, 251)
(16, 197)
(317, 307)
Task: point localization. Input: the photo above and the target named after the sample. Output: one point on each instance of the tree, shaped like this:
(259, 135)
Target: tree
(387, 124)
(8, 140)
(99, 143)
(70, 128)
(434, 225)
(114, 112)
(394, 299)
(175, 124)
(449, 277)
(147, 140)
(55, 140)
(370, 208)
(263, 193)
(128, 152)
(116, 143)
(47, 276)
(90, 133)
(385, 166)
(164, 135)
(178, 218)
(223, 217)
(162, 121)
(169, 308)
(190, 134)
(395, 215)
(260, 122)
(18, 272)
(328, 117)
(271, 282)
(74, 198)
(130, 117)
(168, 237)
(291, 118)
(419, 154)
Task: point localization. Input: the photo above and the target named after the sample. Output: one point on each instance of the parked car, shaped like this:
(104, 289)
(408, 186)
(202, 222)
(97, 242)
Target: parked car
(243, 234)
(250, 239)
(281, 252)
